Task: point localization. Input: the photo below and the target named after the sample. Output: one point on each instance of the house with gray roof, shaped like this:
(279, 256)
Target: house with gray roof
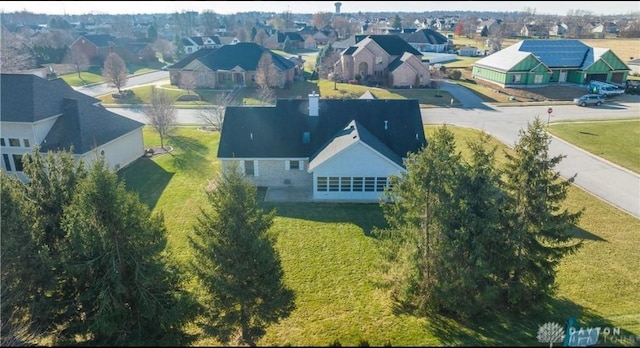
(53, 116)
(427, 40)
(384, 59)
(332, 149)
(532, 63)
(194, 43)
(231, 65)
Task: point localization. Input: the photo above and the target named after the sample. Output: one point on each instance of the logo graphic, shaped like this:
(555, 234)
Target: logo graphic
(550, 332)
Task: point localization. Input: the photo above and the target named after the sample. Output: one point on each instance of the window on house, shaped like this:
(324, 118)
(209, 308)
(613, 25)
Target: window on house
(516, 78)
(345, 184)
(334, 183)
(17, 160)
(322, 183)
(357, 184)
(381, 182)
(294, 165)
(25, 142)
(2, 143)
(537, 79)
(369, 184)
(249, 168)
(7, 164)
(14, 142)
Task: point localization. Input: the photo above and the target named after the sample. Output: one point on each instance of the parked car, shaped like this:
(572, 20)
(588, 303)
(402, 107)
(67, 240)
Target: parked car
(589, 99)
(633, 87)
(606, 89)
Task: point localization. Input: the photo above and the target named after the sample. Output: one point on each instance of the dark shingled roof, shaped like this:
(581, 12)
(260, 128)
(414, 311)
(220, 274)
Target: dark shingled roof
(426, 36)
(82, 124)
(394, 45)
(244, 54)
(190, 58)
(100, 40)
(29, 98)
(277, 132)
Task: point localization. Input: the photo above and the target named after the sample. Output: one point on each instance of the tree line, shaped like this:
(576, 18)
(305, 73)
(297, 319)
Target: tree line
(84, 262)
(467, 237)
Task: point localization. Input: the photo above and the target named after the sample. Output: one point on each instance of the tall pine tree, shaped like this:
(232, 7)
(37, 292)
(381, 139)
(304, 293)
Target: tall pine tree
(237, 264)
(412, 208)
(122, 288)
(540, 227)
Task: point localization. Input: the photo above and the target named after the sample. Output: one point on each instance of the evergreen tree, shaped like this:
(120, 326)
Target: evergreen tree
(397, 22)
(152, 33)
(412, 207)
(470, 253)
(122, 289)
(287, 45)
(540, 228)
(236, 263)
(21, 267)
(254, 32)
(41, 279)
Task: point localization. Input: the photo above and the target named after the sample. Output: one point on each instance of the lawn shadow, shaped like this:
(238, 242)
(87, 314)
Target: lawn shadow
(580, 233)
(367, 216)
(508, 329)
(188, 154)
(147, 179)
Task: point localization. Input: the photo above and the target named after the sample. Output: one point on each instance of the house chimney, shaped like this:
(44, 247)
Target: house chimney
(313, 104)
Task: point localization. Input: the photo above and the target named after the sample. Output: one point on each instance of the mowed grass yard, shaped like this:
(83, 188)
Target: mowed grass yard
(332, 264)
(615, 140)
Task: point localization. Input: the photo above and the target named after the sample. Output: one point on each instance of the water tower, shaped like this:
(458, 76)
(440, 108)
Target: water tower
(338, 4)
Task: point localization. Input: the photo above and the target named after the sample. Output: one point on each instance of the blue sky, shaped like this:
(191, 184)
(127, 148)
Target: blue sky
(227, 7)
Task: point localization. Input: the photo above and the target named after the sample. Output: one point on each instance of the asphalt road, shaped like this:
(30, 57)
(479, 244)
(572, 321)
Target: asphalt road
(137, 80)
(613, 184)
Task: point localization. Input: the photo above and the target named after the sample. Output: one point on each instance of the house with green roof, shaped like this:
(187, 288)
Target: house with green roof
(231, 65)
(329, 149)
(534, 63)
(383, 59)
(53, 116)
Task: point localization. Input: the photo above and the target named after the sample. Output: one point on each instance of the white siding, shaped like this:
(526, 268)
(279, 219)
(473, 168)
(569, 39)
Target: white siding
(358, 160)
(120, 152)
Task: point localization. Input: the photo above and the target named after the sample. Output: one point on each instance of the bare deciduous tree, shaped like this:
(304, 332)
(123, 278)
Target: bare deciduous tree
(114, 71)
(214, 116)
(166, 48)
(78, 59)
(266, 94)
(261, 37)
(188, 82)
(162, 113)
(265, 71)
(321, 19)
(15, 52)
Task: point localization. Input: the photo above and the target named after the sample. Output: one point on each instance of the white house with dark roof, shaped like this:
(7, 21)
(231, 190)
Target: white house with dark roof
(333, 149)
(53, 116)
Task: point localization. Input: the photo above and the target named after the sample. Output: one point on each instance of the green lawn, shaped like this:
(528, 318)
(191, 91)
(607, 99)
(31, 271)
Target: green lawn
(86, 78)
(331, 263)
(617, 141)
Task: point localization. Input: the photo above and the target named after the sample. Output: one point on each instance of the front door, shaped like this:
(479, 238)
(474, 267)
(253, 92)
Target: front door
(563, 77)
